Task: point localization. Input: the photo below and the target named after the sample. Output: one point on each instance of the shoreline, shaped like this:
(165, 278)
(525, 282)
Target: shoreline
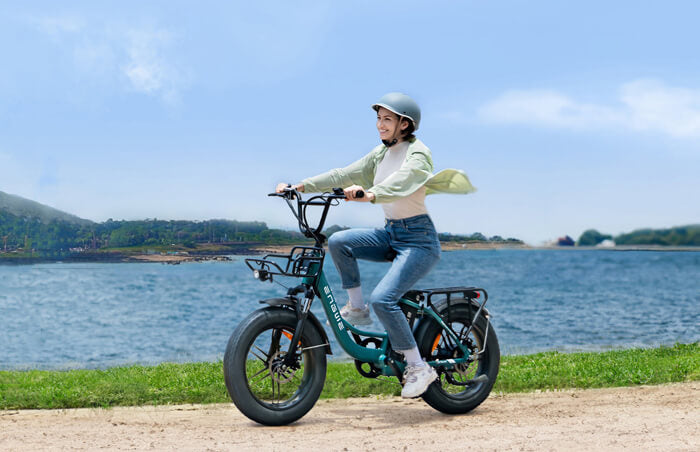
(224, 255)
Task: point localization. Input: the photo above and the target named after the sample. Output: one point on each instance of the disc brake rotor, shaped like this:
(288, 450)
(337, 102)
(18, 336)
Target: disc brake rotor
(279, 372)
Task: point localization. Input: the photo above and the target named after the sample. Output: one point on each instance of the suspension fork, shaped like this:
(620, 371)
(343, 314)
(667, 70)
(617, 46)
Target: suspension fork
(302, 311)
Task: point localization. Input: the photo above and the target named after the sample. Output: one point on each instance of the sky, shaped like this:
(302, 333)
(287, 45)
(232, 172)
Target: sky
(565, 116)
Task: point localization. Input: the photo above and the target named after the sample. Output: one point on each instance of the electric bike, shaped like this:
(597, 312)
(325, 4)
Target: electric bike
(275, 360)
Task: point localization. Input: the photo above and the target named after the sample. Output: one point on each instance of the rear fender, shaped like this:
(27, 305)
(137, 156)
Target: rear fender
(311, 317)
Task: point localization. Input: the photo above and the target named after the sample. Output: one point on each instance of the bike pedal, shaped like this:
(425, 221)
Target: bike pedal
(480, 379)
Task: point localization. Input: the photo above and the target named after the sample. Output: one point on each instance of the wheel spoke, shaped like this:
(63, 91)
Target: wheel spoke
(448, 341)
(463, 337)
(267, 355)
(263, 360)
(250, 379)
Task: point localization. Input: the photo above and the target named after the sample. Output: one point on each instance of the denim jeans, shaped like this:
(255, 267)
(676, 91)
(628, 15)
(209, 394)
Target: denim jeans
(416, 247)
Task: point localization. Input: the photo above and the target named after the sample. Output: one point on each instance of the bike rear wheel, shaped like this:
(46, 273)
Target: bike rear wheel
(259, 383)
(466, 386)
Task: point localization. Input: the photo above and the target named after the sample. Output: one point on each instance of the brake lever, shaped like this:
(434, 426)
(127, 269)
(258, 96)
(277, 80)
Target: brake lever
(289, 193)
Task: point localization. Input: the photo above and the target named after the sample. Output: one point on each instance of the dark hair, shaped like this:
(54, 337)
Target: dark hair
(408, 133)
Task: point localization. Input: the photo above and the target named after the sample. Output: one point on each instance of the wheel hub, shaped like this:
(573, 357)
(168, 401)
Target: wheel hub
(279, 372)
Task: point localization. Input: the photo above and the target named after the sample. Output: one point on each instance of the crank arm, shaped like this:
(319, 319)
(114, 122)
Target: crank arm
(483, 378)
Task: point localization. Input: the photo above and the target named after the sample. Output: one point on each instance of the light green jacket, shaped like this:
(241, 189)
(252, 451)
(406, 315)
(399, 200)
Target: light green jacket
(416, 171)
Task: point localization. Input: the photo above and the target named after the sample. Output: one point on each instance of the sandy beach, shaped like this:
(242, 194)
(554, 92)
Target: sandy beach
(648, 417)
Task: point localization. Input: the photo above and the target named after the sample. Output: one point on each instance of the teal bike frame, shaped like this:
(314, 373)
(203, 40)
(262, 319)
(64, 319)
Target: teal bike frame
(343, 330)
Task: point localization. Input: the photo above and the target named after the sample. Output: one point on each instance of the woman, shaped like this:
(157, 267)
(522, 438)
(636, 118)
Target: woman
(397, 175)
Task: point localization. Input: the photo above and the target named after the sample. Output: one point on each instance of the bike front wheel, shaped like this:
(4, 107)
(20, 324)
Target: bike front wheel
(260, 384)
(463, 387)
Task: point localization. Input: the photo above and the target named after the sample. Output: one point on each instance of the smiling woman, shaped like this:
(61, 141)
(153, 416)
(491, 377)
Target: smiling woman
(397, 175)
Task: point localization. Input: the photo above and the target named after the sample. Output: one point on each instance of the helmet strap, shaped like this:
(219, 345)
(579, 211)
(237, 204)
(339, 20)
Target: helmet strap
(388, 143)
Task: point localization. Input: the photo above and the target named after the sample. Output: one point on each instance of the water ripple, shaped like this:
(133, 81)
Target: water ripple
(100, 315)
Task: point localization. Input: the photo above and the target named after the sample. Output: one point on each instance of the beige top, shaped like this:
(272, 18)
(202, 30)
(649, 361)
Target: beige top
(408, 206)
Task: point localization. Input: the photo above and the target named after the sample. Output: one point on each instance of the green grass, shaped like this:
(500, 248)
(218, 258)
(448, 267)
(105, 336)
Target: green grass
(203, 382)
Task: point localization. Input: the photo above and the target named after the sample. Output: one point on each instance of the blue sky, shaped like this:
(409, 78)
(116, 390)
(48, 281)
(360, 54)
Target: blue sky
(566, 117)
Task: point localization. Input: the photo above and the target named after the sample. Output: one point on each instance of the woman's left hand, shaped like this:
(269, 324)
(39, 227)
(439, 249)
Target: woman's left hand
(351, 194)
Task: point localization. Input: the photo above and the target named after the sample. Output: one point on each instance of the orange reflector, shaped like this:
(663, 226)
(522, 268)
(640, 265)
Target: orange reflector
(435, 344)
(289, 336)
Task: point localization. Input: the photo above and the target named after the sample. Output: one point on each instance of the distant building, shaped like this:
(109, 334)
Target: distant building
(565, 241)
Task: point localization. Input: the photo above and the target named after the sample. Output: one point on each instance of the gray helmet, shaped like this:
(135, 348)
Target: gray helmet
(400, 104)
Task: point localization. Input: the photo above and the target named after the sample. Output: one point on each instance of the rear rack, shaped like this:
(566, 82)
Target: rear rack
(470, 293)
(298, 263)
(473, 293)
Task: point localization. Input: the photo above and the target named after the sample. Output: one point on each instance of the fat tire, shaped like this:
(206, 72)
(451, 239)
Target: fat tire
(235, 367)
(464, 402)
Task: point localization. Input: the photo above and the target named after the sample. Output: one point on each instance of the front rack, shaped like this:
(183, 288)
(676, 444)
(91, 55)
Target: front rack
(298, 263)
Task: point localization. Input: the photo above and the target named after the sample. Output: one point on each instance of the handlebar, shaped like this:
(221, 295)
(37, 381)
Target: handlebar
(338, 193)
(324, 200)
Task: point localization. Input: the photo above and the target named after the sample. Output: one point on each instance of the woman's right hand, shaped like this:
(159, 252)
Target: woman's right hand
(283, 185)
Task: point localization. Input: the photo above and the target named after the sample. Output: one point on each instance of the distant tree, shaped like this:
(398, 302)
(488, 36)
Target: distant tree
(478, 237)
(591, 237)
(333, 229)
(677, 236)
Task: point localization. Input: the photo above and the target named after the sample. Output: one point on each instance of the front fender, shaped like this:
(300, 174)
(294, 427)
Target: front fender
(289, 303)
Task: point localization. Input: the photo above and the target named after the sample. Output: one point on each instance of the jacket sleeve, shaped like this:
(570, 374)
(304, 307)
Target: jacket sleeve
(355, 173)
(413, 174)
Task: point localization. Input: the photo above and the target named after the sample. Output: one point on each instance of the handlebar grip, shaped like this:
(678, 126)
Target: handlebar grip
(341, 192)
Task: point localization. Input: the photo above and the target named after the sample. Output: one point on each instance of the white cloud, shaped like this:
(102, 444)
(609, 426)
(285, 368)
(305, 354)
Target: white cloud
(655, 106)
(57, 25)
(105, 53)
(147, 67)
(644, 105)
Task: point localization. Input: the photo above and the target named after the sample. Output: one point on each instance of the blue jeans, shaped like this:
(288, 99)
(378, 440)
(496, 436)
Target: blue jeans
(415, 244)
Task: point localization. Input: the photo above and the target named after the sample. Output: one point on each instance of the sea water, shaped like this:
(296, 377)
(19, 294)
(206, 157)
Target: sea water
(96, 315)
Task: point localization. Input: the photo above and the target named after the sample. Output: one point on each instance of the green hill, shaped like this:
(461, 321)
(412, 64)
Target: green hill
(27, 209)
(30, 229)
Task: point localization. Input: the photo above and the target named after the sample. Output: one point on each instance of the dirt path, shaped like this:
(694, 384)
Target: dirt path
(646, 418)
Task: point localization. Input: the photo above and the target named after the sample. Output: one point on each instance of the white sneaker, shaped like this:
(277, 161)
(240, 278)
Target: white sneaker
(356, 316)
(416, 380)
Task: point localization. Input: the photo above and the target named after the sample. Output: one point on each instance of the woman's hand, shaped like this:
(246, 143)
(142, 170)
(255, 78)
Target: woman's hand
(351, 194)
(282, 186)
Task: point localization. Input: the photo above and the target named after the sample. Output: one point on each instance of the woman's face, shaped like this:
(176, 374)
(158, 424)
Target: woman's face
(387, 122)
